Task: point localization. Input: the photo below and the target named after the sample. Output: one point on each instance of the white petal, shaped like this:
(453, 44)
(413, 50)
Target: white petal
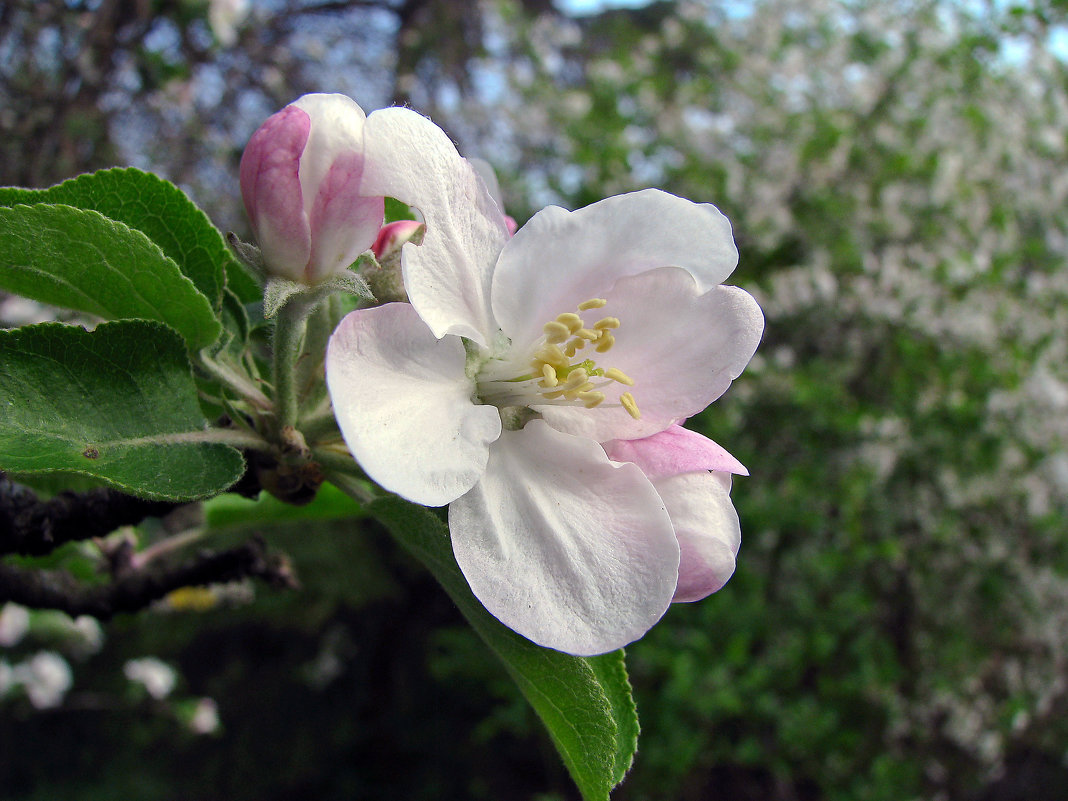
(403, 404)
(337, 124)
(560, 258)
(447, 277)
(707, 528)
(682, 348)
(565, 547)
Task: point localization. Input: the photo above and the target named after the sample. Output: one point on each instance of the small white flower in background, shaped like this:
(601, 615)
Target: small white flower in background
(14, 623)
(205, 718)
(157, 676)
(45, 678)
(224, 16)
(516, 359)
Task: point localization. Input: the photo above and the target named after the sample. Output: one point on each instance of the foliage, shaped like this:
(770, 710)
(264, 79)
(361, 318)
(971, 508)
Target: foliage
(895, 174)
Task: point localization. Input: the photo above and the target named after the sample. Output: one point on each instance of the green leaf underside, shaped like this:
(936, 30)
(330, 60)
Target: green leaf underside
(585, 703)
(80, 259)
(160, 210)
(118, 403)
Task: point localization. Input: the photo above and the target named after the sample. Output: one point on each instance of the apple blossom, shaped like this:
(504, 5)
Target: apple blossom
(300, 180)
(607, 323)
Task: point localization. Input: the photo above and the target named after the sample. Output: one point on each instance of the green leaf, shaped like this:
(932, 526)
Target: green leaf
(585, 703)
(117, 403)
(157, 208)
(82, 260)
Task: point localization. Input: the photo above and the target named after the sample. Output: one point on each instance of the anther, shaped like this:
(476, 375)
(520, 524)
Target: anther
(576, 378)
(550, 354)
(588, 333)
(606, 342)
(556, 332)
(549, 378)
(607, 322)
(571, 320)
(591, 399)
(615, 374)
(592, 303)
(627, 401)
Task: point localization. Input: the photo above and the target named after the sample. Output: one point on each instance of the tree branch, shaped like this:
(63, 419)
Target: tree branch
(134, 590)
(31, 527)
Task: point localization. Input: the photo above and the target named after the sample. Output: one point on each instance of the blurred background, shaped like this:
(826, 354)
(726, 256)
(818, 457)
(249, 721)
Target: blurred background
(896, 172)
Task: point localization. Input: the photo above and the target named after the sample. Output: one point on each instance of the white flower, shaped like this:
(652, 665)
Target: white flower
(157, 677)
(14, 623)
(516, 359)
(45, 678)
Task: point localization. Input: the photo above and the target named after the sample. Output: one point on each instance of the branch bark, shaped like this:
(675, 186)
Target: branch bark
(32, 527)
(136, 589)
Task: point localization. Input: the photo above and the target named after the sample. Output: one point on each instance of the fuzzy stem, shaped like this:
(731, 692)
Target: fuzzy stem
(290, 324)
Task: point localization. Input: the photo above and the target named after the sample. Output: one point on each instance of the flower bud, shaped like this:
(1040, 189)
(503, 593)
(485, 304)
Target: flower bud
(394, 236)
(300, 180)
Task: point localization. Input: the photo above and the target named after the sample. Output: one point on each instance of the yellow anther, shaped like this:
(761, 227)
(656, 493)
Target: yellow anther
(576, 378)
(606, 322)
(606, 343)
(556, 333)
(591, 399)
(553, 395)
(615, 374)
(570, 347)
(577, 392)
(592, 303)
(549, 378)
(571, 320)
(627, 401)
(550, 354)
(588, 333)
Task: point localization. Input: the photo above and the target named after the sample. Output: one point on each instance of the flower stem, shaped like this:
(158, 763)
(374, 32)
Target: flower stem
(290, 324)
(241, 384)
(352, 486)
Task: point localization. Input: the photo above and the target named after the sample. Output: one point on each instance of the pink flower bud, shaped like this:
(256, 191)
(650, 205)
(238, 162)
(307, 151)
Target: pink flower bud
(394, 236)
(300, 180)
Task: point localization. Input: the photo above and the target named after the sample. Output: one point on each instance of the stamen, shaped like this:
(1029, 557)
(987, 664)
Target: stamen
(556, 332)
(607, 322)
(615, 374)
(627, 401)
(606, 343)
(550, 354)
(588, 333)
(576, 378)
(571, 320)
(591, 399)
(592, 303)
(549, 378)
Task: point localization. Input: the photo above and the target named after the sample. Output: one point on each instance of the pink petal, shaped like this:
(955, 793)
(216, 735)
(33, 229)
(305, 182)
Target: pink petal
(403, 403)
(681, 346)
(271, 189)
(343, 223)
(561, 258)
(672, 451)
(707, 529)
(565, 547)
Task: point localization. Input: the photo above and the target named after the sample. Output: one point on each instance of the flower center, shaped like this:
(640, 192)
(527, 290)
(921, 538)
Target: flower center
(553, 372)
